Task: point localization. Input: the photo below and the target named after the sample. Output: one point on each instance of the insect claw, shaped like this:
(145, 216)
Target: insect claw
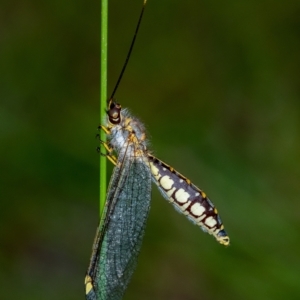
(102, 154)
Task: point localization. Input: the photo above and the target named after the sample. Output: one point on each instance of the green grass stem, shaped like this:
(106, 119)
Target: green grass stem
(103, 98)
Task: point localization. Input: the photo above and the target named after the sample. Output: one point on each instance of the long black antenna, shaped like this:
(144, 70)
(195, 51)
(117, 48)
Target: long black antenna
(130, 50)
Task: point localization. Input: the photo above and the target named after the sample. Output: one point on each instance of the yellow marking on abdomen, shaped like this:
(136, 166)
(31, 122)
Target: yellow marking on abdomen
(210, 221)
(170, 192)
(154, 171)
(166, 182)
(199, 220)
(181, 196)
(185, 205)
(197, 209)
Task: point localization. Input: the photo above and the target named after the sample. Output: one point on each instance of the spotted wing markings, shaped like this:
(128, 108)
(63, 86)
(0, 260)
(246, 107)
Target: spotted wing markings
(187, 199)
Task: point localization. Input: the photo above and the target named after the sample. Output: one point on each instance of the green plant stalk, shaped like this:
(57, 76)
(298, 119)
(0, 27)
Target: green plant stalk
(103, 99)
(103, 106)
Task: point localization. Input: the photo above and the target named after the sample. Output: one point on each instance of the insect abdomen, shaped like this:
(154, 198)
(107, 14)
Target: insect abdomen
(188, 199)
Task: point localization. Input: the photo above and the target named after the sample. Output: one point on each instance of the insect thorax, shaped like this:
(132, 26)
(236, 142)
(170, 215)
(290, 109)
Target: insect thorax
(128, 135)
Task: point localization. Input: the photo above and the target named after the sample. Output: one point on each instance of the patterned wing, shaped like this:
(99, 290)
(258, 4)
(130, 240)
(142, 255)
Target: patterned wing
(119, 237)
(187, 199)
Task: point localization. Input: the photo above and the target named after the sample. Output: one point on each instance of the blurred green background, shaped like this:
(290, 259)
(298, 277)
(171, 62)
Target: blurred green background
(217, 85)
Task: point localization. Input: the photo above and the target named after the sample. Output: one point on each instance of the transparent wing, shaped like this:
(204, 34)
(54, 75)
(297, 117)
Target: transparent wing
(119, 237)
(187, 199)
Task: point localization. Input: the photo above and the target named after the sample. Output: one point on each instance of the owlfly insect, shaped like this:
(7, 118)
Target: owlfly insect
(119, 235)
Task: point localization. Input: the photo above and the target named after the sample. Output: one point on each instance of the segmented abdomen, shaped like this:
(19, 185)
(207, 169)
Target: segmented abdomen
(188, 199)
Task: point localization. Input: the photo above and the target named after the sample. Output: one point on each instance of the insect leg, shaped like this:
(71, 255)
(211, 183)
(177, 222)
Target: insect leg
(109, 150)
(105, 129)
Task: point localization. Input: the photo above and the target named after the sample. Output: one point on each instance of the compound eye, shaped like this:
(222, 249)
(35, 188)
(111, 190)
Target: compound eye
(114, 112)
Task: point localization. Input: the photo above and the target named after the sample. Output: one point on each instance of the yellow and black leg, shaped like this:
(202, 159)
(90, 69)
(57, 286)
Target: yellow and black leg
(105, 129)
(109, 150)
